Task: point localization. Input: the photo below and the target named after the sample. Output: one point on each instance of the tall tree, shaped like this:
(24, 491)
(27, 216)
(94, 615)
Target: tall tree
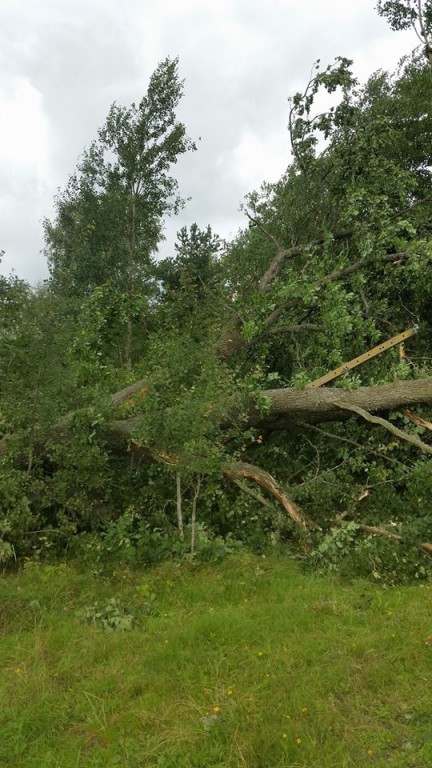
(109, 219)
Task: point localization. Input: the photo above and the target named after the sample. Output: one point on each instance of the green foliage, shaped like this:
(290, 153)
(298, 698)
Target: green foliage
(403, 14)
(109, 217)
(187, 401)
(108, 615)
(195, 266)
(306, 129)
(406, 14)
(336, 258)
(334, 546)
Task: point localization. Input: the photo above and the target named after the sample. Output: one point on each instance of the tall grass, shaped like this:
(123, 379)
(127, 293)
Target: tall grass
(245, 663)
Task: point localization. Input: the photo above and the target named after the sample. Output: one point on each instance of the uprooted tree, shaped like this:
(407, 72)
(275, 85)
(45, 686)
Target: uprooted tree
(224, 338)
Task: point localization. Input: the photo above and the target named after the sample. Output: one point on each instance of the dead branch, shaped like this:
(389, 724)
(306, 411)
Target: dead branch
(269, 484)
(417, 420)
(387, 425)
(375, 531)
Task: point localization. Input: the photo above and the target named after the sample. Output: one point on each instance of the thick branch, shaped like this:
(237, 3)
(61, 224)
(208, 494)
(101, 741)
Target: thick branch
(338, 274)
(284, 329)
(289, 408)
(269, 484)
(390, 258)
(283, 254)
(124, 394)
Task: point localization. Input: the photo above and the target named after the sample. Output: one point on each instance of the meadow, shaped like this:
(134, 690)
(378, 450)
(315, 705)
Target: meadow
(248, 662)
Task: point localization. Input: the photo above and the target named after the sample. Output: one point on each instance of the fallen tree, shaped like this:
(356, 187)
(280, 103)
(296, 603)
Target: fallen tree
(285, 409)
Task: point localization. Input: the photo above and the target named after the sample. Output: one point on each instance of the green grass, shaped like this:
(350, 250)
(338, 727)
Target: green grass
(248, 663)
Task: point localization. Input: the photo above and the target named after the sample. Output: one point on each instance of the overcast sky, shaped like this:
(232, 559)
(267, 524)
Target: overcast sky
(63, 62)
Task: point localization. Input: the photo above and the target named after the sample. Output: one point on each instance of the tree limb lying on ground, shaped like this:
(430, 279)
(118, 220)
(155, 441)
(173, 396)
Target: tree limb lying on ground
(287, 409)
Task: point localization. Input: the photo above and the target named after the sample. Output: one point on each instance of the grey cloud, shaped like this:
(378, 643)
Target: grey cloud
(240, 60)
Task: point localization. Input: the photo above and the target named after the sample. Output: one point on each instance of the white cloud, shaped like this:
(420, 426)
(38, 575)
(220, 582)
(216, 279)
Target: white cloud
(257, 158)
(24, 137)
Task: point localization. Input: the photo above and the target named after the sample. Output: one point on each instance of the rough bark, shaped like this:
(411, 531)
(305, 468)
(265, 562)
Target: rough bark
(287, 409)
(291, 408)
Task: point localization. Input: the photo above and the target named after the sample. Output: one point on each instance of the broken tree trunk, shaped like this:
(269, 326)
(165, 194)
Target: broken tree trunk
(291, 407)
(287, 409)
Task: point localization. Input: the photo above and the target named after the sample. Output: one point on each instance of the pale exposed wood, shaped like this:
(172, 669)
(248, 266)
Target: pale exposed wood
(269, 484)
(417, 420)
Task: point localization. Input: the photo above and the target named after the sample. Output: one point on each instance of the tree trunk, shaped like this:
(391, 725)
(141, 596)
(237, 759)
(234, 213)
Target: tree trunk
(128, 344)
(287, 409)
(291, 407)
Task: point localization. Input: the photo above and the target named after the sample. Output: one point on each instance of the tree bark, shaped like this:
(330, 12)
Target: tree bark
(291, 408)
(287, 409)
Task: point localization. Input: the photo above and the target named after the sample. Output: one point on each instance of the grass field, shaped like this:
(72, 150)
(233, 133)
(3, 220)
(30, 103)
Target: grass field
(245, 663)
